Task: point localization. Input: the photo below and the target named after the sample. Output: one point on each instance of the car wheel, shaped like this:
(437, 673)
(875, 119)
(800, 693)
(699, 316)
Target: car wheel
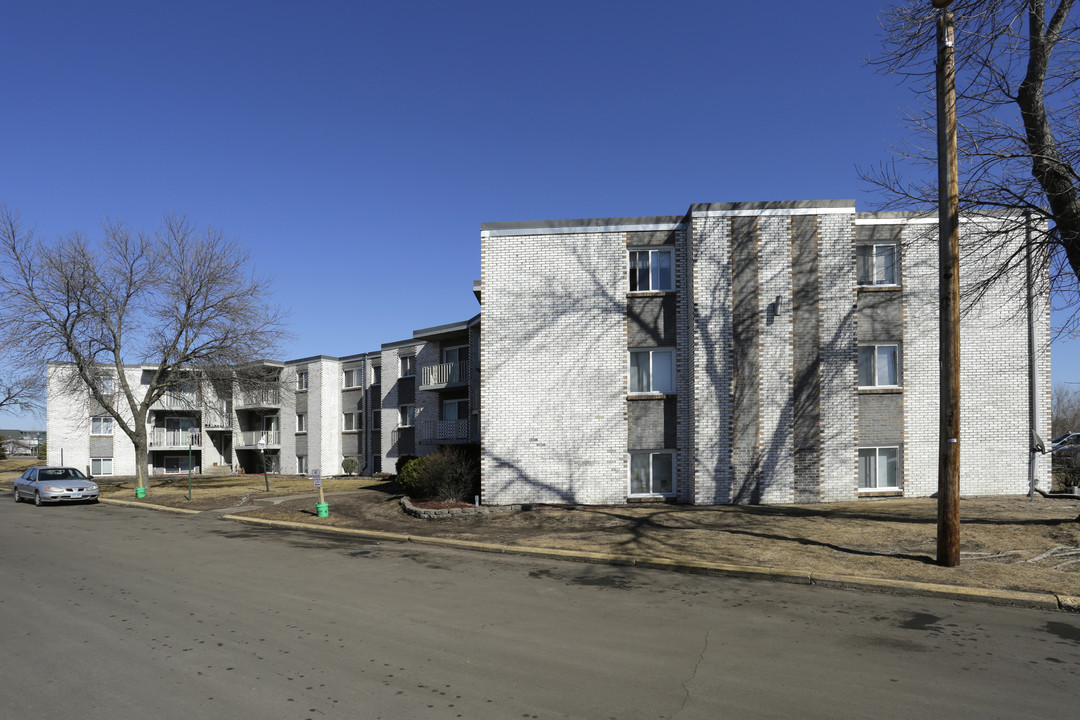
(37, 499)
(15, 493)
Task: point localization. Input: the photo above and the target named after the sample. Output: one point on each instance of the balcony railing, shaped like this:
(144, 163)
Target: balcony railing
(444, 373)
(260, 398)
(251, 438)
(177, 401)
(173, 438)
(445, 431)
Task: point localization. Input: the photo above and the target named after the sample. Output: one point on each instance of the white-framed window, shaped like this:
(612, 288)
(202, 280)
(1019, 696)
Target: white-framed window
(350, 421)
(301, 465)
(106, 384)
(376, 374)
(652, 371)
(353, 378)
(651, 269)
(406, 415)
(101, 425)
(878, 365)
(879, 468)
(877, 264)
(101, 466)
(301, 422)
(408, 366)
(652, 472)
(302, 380)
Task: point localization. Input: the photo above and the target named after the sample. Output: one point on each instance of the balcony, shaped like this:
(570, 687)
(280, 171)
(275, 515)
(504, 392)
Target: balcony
(251, 438)
(444, 432)
(444, 375)
(268, 398)
(177, 401)
(161, 438)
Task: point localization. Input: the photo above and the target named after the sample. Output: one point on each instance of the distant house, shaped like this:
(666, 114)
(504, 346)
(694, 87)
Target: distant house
(22, 442)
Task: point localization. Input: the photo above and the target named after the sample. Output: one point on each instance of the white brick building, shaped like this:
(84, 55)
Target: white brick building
(751, 352)
(738, 353)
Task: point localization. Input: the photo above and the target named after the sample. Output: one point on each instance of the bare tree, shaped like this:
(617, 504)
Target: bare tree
(181, 302)
(20, 387)
(1065, 410)
(1017, 137)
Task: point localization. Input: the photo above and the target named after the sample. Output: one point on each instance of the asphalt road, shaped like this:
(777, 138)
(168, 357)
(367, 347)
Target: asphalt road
(118, 613)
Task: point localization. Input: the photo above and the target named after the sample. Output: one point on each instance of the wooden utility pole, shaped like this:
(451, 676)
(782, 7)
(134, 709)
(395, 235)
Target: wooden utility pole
(948, 536)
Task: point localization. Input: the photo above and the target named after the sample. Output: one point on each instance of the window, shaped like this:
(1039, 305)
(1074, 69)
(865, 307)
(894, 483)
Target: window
(877, 366)
(301, 422)
(455, 410)
(878, 468)
(651, 270)
(100, 466)
(876, 264)
(652, 473)
(652, 371)
(354, 378)
(301, 465)
(376, 419)
(106, 384)
(302, 380)
(408, 366)
(101, 425)
(456, 354)
(407, 415)
(351, 421)
(376, 374)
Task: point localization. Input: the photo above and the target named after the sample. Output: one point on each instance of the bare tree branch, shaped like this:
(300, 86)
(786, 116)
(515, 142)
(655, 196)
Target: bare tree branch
(182, 303)
(1018, 138)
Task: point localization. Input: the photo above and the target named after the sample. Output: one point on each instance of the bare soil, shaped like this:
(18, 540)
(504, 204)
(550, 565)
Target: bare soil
(1010, 543)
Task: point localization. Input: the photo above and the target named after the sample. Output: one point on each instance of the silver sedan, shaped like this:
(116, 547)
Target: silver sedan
(55, 484)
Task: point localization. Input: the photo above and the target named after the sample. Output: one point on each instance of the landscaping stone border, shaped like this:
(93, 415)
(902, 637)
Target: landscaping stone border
(425, 514)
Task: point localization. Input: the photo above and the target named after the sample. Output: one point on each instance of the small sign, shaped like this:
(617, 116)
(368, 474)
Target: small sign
(317, 478)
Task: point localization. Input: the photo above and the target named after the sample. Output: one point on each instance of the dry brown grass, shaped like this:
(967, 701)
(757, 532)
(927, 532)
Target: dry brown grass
(213, 493)
(1006, 543)
(13, 467)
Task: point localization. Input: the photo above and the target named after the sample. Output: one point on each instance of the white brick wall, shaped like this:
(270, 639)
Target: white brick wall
(554, 368)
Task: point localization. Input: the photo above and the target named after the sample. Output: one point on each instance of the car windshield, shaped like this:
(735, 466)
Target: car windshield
(60, 474)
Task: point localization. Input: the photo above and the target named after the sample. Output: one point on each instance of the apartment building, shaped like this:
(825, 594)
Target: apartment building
(781, 352)
(744, 353)
(285, 417)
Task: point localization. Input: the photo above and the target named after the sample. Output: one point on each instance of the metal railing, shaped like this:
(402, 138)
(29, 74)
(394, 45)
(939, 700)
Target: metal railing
(445, 373)
(160, 437)
(445, 430)
(260, 398)
(250, 438)
(177, 401)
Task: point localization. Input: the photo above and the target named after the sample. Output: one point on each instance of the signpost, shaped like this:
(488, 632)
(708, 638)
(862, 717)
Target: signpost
(322, 509)
(193, 432)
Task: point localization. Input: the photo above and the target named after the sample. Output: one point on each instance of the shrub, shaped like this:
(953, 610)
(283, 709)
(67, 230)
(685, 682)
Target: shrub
(452, 474)
(411, 476)
(42, 452)
(350, 465)
(401, 462)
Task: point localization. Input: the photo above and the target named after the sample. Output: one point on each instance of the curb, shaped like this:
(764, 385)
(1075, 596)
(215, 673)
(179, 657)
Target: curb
(149, 506)
(1010, 598)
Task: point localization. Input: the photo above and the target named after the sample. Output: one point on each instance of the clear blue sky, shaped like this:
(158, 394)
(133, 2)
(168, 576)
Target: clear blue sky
(355, 147)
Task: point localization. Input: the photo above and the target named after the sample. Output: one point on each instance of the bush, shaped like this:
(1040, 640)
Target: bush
(411, 476)
(350, 465)
(451, 475)
(42, 452)
(401, 462)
